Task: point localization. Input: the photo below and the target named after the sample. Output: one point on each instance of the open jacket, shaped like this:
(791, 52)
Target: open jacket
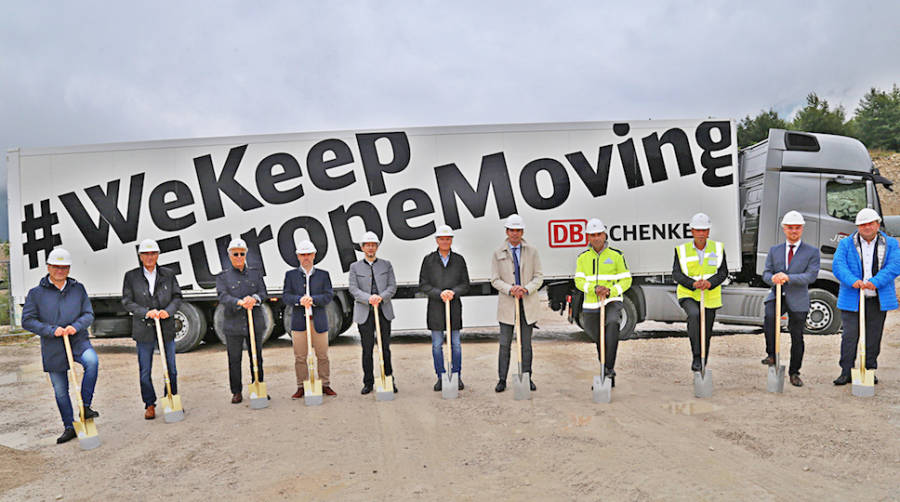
(434, 277)
(803, 271)
(503, 277)
(47, 308)
(319, 289)
(847, 267)
(137, 300)
(360, 286)
(232, 285)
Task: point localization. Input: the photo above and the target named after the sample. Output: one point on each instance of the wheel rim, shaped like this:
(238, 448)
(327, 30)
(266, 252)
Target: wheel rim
(181, 325)
(819, 316)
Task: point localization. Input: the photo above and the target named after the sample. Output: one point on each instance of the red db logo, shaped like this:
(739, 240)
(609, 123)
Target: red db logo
(566, 233)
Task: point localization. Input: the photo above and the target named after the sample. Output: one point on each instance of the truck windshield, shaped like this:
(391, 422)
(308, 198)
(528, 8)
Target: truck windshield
(845, 199)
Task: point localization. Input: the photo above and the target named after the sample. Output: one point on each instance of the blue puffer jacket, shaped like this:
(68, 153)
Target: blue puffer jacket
(46, 308)
(847, 267)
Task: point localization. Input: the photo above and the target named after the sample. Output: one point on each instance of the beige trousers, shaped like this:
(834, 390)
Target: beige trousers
(301, 350)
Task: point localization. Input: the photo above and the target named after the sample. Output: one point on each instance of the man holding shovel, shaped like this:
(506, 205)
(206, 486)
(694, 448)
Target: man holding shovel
(59, 306)
(699, 267)
(444, 277)
(315, 298)
(603, 276)
(372, 283)
(240, 289)
(149, 293)
(794, 265)
(516, 274)
(866, 263)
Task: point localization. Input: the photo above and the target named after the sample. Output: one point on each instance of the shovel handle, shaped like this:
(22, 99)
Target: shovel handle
(447, 318)
(378, 340)
(777, 320)
(162, 355)
(310, 358)
(861, 349)
(518, 334)
(702, 328)
(252, 331)
(603, 335)
(72, 374)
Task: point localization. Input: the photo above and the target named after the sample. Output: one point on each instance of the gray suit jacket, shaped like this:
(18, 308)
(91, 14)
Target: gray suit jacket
(803, 271)
(361, 287)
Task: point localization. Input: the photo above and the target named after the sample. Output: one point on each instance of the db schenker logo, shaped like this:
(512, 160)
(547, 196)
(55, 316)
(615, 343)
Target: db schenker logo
(566, 233)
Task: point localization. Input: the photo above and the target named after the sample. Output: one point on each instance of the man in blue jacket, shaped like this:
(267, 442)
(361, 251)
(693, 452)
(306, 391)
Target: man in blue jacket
(866, 262)
(59, 306)
(316, 298)
(795, 265)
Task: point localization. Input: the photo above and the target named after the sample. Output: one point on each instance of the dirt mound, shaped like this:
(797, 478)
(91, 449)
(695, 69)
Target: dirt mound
(889, 165)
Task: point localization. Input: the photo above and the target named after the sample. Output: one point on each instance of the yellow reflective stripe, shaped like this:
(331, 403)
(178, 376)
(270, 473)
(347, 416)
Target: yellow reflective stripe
(607, 277)
(597, 305)
(682, 250)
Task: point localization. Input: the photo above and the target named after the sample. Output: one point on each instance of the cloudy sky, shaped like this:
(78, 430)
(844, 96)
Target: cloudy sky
(98, 72)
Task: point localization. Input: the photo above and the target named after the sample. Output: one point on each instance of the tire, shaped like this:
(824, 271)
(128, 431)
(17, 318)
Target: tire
(335, 319)
(219, 322)
(626, 323)
(190, 327)
(824, 317)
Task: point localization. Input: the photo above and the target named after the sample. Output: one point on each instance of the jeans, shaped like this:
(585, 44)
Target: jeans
(437, 351)
(145, 366)
(60, 380)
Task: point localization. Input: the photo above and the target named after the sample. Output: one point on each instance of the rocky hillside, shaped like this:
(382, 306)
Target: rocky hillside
(889, 165)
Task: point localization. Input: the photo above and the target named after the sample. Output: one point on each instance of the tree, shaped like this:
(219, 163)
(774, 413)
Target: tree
(817, 116)
(878, 119)
(756, 129)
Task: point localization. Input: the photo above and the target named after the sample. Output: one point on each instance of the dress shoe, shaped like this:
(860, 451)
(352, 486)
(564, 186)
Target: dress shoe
(438, 386)
(501, 386)
(395, 386)
(328, 391)
(533, 386)
(768, 361)
(461, 385)
(67, 435)
(298, 394)
(366, 389)
(795, 381)
(876, 380)
(695, 366)
(150, 412)
(236, 398)
(89, 413)
(844, 379)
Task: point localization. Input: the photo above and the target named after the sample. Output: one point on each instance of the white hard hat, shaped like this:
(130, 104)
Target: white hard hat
(514, 222)
(793, 218)
(305, 247)
(59, 256)
(237, 244)
(867, 215)
(444, 231)
(148, 246)
(369, 237)
(594, 226)
(700, 222)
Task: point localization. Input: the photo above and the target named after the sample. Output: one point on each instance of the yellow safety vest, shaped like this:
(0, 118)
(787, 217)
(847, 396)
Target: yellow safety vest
(691, 267)
(606, 269)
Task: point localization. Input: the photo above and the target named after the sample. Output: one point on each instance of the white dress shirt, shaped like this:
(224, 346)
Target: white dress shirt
(151, 278)
(868, 254)
(787, 251)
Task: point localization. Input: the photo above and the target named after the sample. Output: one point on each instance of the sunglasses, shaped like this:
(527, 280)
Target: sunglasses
(238, 254)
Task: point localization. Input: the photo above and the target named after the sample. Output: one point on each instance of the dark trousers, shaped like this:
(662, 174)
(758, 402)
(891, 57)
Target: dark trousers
(145, 367)
(796, 325)
(592, 328)
(367, 336)
(850, 337)
(235, 345)
(507, 335)
(692, 309)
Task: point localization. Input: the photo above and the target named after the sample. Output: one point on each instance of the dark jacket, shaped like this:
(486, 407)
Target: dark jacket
(434, 277)
(320, 291)
(802, 272)
(46, 308)
(233, 285)
(137, 301)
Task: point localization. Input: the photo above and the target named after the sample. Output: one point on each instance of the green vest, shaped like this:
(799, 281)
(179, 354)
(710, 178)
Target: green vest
(693, 268)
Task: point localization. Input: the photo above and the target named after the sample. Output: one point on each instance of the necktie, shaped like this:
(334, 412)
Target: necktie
(791, 255)
(515, 254)
(374, 285)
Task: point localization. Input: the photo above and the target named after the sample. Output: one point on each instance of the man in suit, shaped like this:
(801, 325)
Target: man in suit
(516, 273)
(371, 283)
(444, 277)
(315, 298)
(149, 293)
(794, 265)
(866, 263)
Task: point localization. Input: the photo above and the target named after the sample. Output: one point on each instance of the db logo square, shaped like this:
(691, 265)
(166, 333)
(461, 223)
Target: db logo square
(567, 233)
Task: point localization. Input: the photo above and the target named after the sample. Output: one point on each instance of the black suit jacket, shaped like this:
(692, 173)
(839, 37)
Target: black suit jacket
(434, 277)
(137, 300)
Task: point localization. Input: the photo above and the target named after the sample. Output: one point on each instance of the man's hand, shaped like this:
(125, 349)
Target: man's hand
(601, 291)
(60, 331)
(163, 314)
(780, 278)
(869, 285)
(374, 300)
(306, 301)
(447, 295)
(702, 284)
(859, 284)
(518, 291)
(70, 330)
(152, 314)
(248, 302)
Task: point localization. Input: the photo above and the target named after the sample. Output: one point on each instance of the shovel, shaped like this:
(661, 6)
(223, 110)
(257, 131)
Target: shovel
(172, 409)
(521, 381)
(312, 386)
(863, 379)
(384, 386)
(258, 397)
(703, 385)
(449, 383)
(602, 384)
(84, 429)
(775, 379)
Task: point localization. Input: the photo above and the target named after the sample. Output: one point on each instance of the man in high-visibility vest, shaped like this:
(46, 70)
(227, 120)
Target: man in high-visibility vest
(601, 273)
(699, 266)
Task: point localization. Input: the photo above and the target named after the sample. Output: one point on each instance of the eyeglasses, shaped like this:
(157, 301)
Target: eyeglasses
(238, 254)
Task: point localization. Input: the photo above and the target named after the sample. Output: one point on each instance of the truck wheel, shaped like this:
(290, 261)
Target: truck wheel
(823, 317)
(335, 319)
(219, 322)
(190, 327)
(627, 321)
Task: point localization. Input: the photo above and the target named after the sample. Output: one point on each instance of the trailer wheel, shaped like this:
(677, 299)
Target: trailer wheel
(219, 322)
(626, 323)
(823, 317)
(190, 327)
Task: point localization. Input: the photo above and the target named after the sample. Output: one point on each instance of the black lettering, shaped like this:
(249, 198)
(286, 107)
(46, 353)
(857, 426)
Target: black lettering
(266, 179)
(452, 184)
(653, 150)
(167, 245)
(595, 180)
(710, 163)
(287, 243)
(340, 227)
(558, 176)
(253, 240)
(398, 216)
(160, 208)
(645, 232)
(630, 164)
(210, 186)
(373, 166)
(672, 229)
(613, 232)
(629, 230)
(318, 167)
(686, 230)
(659, 231)
(97, 236)
(202, 274)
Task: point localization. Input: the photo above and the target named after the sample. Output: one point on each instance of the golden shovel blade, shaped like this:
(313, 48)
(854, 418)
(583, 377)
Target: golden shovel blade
(172, 403)
(863, 377)
(257, 390)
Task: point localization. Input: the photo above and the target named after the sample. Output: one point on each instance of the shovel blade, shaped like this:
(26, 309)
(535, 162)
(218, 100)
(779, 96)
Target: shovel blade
(384, 389)
(259, 398)
(172, 410)
(863, 383)
(703, 384)
(775, 379)
(87, 434)
(602, 389)
(449, 385)
(522, 387)
(313, 393)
